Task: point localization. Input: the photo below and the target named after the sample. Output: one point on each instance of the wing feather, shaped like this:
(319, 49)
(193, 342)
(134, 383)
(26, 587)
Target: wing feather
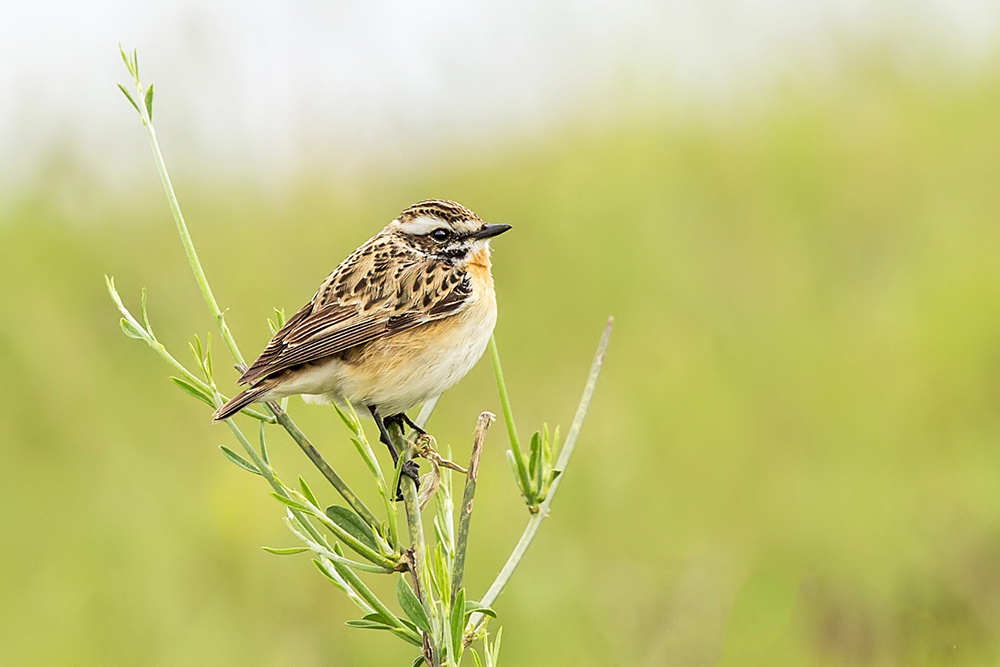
(366, 298)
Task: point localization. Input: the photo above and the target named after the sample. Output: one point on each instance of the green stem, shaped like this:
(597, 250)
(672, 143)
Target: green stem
(331, 475)
(182, 229)
(158, 347)
(508, 415)
(564, 455)
(415, 527)
(368, 596)
(213, 306)
(268, 474)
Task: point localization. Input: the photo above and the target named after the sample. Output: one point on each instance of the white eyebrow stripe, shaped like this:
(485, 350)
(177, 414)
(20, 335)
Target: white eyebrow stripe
(422, 225)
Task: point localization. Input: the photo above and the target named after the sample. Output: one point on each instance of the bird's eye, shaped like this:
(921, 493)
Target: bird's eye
(440, 235)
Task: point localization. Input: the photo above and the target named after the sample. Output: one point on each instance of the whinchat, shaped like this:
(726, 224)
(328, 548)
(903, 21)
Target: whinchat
(398, 322)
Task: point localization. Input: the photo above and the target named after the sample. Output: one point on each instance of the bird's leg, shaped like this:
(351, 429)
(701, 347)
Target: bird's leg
(401, 417)
(410, 468)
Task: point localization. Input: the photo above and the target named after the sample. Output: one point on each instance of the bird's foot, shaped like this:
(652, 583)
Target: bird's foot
(411, 470)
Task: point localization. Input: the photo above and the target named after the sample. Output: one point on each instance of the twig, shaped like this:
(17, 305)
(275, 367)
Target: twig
(418, 549)
(468, 496)
(543, 510)
(331, 475)
(213, 306)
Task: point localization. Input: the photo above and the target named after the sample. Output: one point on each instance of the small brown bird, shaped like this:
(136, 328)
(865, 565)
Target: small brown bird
(398, 322)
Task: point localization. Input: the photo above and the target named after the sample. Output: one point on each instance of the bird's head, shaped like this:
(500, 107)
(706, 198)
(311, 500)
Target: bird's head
(444, 229)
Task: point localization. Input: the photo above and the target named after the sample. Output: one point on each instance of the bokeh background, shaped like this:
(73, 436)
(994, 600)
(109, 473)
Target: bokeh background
(792, 210)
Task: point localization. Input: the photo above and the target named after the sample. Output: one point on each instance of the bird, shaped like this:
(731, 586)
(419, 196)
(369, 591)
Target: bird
(402, 319)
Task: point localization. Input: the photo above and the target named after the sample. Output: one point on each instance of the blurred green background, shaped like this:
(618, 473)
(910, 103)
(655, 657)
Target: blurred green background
(792, 457)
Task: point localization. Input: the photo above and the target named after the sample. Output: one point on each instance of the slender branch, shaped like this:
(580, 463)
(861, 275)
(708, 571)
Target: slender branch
(468, 496)
(331, 475)
(414, 523)
(182, 230)
(199, 273)
(366, 593)
(564, 455)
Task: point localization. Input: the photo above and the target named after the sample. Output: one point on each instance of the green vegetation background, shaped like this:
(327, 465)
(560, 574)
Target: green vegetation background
(793, 457)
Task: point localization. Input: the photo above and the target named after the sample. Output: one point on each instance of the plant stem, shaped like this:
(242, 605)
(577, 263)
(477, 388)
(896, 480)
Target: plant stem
(564, 455)
(508, 415)
(465, 516)
(331, 475)
(206, 291)
(418, 547)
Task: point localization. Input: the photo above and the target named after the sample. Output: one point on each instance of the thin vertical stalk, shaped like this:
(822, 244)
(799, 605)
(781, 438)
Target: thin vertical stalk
(418, 546)
(564, 455)
(213, 306)
(465, 515)
(508, 415)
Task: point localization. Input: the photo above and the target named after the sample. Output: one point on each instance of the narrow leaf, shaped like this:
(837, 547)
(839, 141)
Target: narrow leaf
(239, 460)
(129, 96)
(472, 607)
(419, 661)
(144, 313)
(263, 445)
(284, 552)
(535, 462)
(131, 330)
(307, 492)
(291, 503)
(353, 524)
(408, 637)
(377, 617)
(368, 625)
(458, 625)
(192, 390)
(149, 102)
(475, 658)
(411, 605)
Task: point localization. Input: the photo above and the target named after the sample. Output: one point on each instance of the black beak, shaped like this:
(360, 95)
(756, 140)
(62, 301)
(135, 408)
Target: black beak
(489, 231)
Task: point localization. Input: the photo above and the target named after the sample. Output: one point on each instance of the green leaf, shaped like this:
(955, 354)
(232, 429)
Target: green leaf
(149, 102)
(368, 625)
(411, 605)
(144, 313)
(307, 492)
(291, 503)
(408, 637)
(209, 373)
(121, 50)
(353, 524)
(495, 653)
(278, 322)
(405, 621)
(419, 661)
(197, 392)
(129, 96)
(263, 445)
(323, 570)
(475, 658)
(346, 418)
(458, 625)
(239, 460)
(517, 476)
(284, 552)
(131, 330)
(535, 464)
(472, 606)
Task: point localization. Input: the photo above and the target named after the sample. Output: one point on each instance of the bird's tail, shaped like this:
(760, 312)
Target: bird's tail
(239, 401)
